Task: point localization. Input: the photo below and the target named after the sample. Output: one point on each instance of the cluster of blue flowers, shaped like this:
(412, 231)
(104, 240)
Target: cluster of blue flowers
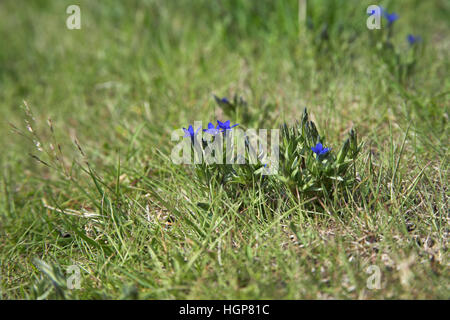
(213, 130)
(391, 18)
(221, 127)
(318, 149)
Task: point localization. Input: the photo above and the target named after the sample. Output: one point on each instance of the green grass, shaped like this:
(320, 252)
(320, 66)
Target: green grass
(137, 71)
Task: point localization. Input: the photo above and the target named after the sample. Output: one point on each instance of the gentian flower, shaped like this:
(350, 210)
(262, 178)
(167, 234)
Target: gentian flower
(391, 17)
(222, 100)
(374, 11)
(189, 132)
(225, 125)
(211, 129)
(319, 150)
(413, 39)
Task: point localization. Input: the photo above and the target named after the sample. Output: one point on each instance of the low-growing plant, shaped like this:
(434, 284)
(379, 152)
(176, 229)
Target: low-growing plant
(305, 167)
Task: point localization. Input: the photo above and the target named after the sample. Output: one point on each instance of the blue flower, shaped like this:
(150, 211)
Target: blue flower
(222, 100)
(189, 132)
(319, 150)
(225, 125)
(413, 39)
(391, 17)
(375, 11)
(211, 129)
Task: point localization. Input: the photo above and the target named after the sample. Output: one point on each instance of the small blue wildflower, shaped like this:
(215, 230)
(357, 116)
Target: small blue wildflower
(319, 150)
(371, 13)
(413, 39)
(222, 100)
(189, 132)
(225, 125)
(211, 129)
(391, 17)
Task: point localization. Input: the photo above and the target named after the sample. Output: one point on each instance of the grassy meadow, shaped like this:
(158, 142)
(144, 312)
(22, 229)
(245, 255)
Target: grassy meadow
(87, 180)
